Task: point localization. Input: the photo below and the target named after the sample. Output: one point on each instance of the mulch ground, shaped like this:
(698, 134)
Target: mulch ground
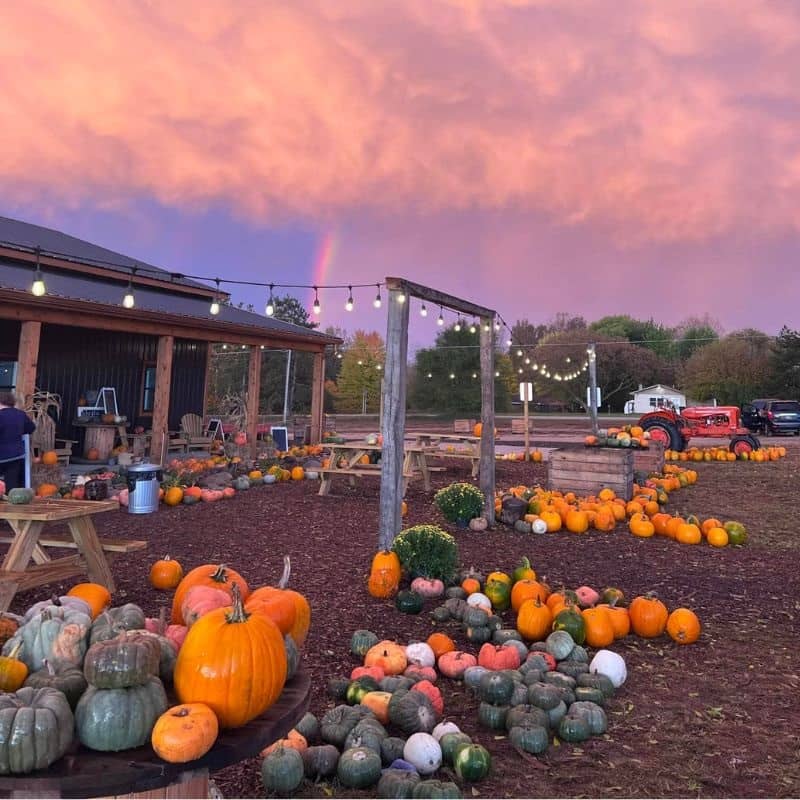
(719, 718)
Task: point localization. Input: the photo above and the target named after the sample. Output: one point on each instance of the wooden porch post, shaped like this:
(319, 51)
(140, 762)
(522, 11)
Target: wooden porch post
(161, 399)
(393, 421)
(27, 360)
(253, 397)
(318, 398)
(206, 380)
(487, 418)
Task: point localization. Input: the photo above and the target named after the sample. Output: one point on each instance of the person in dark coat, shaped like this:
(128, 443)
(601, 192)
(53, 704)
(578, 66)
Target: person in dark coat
(13, 424)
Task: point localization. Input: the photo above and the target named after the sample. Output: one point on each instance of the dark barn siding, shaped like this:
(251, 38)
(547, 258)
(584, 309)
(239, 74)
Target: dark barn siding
(73, 361)
(9, 339)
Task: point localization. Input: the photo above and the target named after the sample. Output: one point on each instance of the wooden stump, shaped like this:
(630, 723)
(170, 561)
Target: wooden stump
(649, 460)
(100, 438)
(587, 470)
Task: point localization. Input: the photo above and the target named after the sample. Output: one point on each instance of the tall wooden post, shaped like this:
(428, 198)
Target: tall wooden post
(253, 398)
(27, 360)
(318, 398)
(393, 421)
(161, 399)
(592, 358)
(207, 378)
(487, 418)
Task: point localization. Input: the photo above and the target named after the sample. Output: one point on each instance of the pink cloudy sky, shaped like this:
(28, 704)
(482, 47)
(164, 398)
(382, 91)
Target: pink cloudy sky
(536, 155)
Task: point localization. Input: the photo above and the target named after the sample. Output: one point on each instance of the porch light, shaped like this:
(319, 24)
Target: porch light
(38, 289)
(472, 327)
(497, 325)
(317, 308)
(214, 310)
(270, 309)
(377, 301)
(486, 326)
(457, 326)
(440, 321)
(348, 306)
(401, 298)
(129, 301)
(423, 312)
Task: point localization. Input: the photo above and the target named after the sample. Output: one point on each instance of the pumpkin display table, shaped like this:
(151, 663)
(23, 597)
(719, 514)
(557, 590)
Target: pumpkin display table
(100, 437)
(140, 773)
(28, 521)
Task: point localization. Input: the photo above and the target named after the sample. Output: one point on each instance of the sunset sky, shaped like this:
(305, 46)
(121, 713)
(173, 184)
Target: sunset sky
(533, 155)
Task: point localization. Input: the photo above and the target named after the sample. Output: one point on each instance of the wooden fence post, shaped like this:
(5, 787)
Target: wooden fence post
(487, 464)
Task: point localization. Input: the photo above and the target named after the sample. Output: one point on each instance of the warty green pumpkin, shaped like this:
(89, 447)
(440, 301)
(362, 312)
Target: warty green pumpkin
(57, 634)
(121, 662)
(113, 621)
(282, 771)
(358, 768)
(66, 679)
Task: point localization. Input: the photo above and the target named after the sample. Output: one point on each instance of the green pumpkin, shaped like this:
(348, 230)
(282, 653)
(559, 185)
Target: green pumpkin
(360, 687)
(572, 668)
(472, 763)
(191, 499)
(36, 729)
(589, 694)
(520, 694)
(391, 683)
(524, 716)
(737, 533)
(411, 712)
(397, 783)
(337, 688)
(437, 790)
(555, 715)
(58, 634)
(530, 738)
(479, 634)
(560, 644)
(592, 713)
(522, 571)
(66, 679)
(496, 688)
(308, 727)
(559, 679)
(450, 743)
(440, 614)
(282, 771)
(571, 621)
(522, 526)
(499, 592)
(455, 591)
(168, 655)
(20, 497)
(339, 721)
(493, 717)
(366, 735)
(536, 661)
(408, 602)
(473, 677)
(361, 641)
(597, 681)
(473, 617)
(122, 662)
(320, 761)
(358, 768)
(391, 749)
(506, 635)
(242, 483)
(113, 621)
(543, 695)
(457, 607)
(574, 729)
(495, 623)
(531, 676)
(118, 719)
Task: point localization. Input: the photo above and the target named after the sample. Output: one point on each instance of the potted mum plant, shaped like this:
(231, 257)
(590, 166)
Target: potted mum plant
(460, 502)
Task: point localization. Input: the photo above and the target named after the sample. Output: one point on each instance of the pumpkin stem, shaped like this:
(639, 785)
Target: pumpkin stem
(237, 614)
(55, 600)
(220, 574)
(15, 650)
(51, 670)
(162, 620)
(287, 571)
(181, 712)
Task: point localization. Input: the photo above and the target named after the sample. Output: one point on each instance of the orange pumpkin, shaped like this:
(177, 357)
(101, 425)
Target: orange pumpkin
(46, 490)
(471, 585)
(524, 590)
(717, 537)
(620, 620)
(688, 534)
(97, 596)
(184, 733)
(50, 458)
(13, 672)
(218, 576)
(534, 620)
(440, 643)
(648, 616)
(173, 496)
(384, 577)
(166, 573)
(232, 661)
(387, 655)
(577, 521)
(298, 473)
(294, 741)
(287, 608)
(599, 627)
(683, 626)
(378, 704)
(93, 454)
(640, 525)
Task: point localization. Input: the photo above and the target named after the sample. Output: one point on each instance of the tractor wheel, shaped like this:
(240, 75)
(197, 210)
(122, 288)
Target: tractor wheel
(744, 443)
(665, 432)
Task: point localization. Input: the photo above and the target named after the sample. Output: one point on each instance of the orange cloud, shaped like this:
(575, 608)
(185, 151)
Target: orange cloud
(657, 122)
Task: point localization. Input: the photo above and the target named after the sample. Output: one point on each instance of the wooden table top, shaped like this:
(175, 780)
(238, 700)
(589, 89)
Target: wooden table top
(49, 509)
(88, 773)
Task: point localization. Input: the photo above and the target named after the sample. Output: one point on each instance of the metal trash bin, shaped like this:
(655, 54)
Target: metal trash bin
(144, 482)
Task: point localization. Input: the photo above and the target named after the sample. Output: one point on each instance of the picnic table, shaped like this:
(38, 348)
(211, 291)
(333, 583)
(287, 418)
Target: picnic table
(28, 543)
(464, 447)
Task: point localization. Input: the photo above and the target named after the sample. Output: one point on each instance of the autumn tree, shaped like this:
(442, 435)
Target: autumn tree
(360, 373)
(784, 364)
(693, 333)
(646, 333)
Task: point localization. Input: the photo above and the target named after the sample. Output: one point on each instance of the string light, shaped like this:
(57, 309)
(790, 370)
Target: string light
(38, 289)
(519, 353)
(430, 375)
(440, 320)
(214, 309)
(457, 326)
(129, 301)
(527, 360)
(270, 309)
(452, 376)
(497, 324)
(423, 312)
(348, 306)
(317, 308)
(401, 298)
(486, 326)
(474, 375)
(377, 301)
(472, 327)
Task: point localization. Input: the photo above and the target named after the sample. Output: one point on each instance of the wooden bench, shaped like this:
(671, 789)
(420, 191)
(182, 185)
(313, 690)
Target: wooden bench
(518, 425)
(109, 545)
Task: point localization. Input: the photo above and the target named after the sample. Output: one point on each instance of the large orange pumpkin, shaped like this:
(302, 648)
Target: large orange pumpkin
(534, 620)
(648, 616)
(50, 458)
(527, 589)
(440, 643)
(166, 573)
(384, 576)
(47, 490)
(173, 496)
(683, 626)
(232, 661)
(97, 596)
(599, 627)
(218, 576)
(184, 733)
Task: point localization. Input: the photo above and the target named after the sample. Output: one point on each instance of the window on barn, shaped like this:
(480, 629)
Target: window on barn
(148, 389)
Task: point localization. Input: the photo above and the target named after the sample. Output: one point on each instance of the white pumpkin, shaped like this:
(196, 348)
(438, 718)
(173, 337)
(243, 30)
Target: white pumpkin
(610, 664)
(372, 438)
(312, 475)
(539, 526)
(269, 479)
(423, 751)
(444, 727)
(420, 653)
(479, 600)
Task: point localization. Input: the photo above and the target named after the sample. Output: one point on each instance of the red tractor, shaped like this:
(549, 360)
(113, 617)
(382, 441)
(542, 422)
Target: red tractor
(675, 430)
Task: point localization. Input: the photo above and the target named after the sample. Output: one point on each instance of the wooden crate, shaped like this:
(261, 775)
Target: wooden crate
(587, 470)
(518, 424)
(463, 426)
(650, 460)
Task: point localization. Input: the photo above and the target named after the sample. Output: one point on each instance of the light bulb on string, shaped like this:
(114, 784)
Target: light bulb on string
(474, 375)
(527, 360)
(430, 375)
(520, 370)
(270, 309)
(317, 308)
(377, 301)
(497, 373)
(38, 289)
(378, 367)
(496, 325)
(534, 366)
(457, 326)
(452, 376)
(214, 309)
(568, 359)
(486, 326)
(401, 298)
(440, 320)
(348, 306)
(129, 301)
(509, 343)
(423, 311)
(472, 328)
(519, 353)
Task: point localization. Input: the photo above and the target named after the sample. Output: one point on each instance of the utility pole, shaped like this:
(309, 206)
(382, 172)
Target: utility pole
(592, 357)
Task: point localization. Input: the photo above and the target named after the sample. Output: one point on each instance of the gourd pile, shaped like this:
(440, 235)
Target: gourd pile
(724, 454)
(77, 668)
(629, 436)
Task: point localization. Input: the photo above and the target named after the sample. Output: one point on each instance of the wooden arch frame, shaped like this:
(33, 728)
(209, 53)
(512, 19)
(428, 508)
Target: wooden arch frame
(393, 420)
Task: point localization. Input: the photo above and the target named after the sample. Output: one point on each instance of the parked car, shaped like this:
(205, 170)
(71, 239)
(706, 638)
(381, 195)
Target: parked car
(751, 416)
(781, 416)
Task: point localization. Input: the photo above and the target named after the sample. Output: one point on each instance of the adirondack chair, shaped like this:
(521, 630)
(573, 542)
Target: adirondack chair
(192, 431)
(44, 439)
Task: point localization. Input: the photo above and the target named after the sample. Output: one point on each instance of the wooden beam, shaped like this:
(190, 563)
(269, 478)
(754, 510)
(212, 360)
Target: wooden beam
(487, 463)
(27, 360)
(393, 421)
(440, 298)
(161, 399)
(318, 398)
(253, 398)
(207, 379)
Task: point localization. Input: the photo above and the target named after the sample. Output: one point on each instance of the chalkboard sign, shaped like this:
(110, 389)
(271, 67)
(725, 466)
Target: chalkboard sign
(280, 435)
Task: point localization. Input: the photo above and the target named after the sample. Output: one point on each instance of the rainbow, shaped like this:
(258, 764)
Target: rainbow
(323, 261)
